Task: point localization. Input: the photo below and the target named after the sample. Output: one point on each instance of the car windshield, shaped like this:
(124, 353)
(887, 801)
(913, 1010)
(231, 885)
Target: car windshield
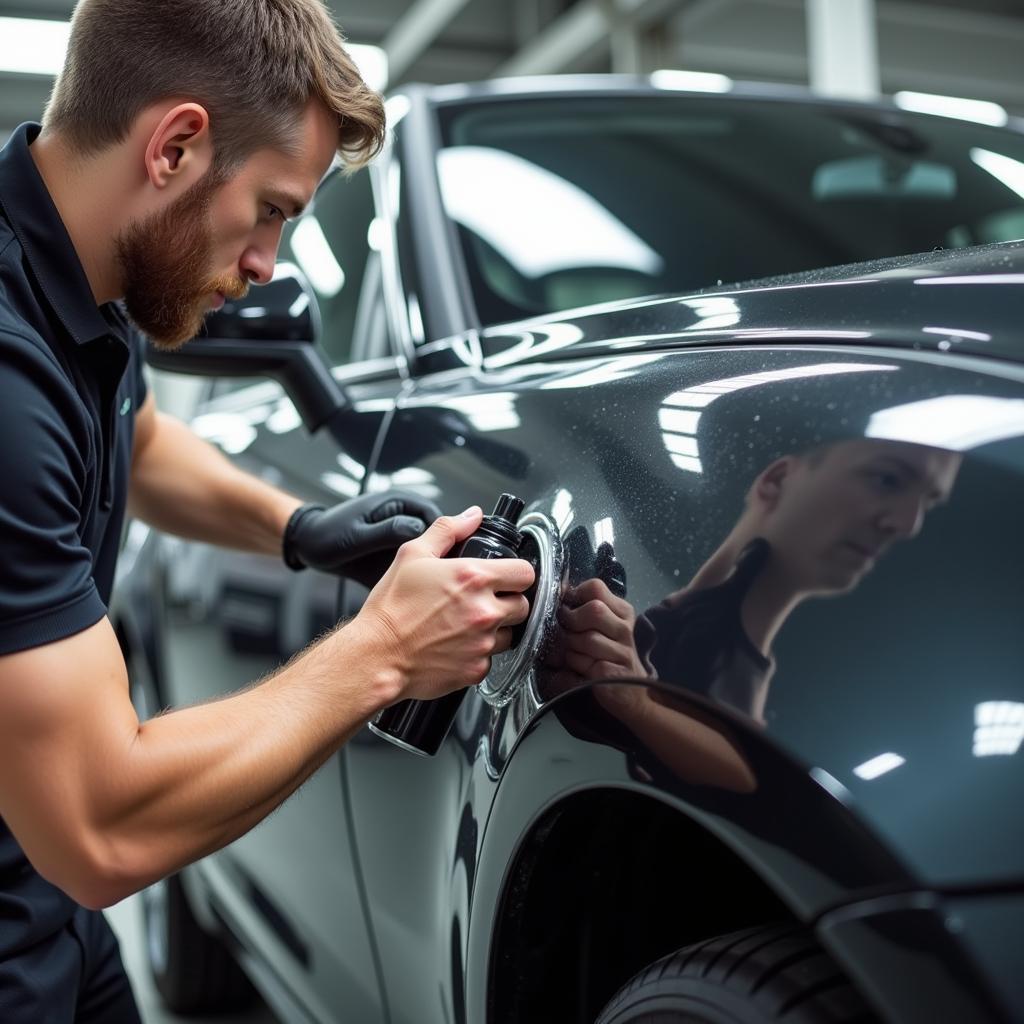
(566, 201)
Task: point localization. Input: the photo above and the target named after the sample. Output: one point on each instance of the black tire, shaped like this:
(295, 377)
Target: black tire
(757, 976)
(193, 971)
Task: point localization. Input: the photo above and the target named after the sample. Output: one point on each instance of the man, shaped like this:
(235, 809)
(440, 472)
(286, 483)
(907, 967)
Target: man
(813, 525)
(178, 139)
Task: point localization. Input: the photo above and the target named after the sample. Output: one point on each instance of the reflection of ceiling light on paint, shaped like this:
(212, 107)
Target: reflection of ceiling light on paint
(957, 332)
(561, 509)
(534, 343)
(680, 412)
(33, 46)
(974, 279)
(496, 411)
(604, 531)
(955, 422)
(1003, 168)
(691, 81)
(538, 221)
(314, 255)
(878, 766)
(999, 727)
(715, 312)
(981, 111)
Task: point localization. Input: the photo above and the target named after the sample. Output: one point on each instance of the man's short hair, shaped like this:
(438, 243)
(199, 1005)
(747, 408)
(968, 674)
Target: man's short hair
(253, 64)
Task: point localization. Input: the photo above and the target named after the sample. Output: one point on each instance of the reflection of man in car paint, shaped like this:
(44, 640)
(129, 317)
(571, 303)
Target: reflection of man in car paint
(813, 525)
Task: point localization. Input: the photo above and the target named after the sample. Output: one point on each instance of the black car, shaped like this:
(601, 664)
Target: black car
(753, 758)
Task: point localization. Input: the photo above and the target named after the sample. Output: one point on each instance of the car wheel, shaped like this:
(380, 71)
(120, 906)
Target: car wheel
(193, 971)
(757, 976)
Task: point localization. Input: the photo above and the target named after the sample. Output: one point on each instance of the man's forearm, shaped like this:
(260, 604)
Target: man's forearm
(195, 779)
(183, 485)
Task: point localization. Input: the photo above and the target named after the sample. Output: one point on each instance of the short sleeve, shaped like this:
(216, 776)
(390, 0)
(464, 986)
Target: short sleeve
(47, 590)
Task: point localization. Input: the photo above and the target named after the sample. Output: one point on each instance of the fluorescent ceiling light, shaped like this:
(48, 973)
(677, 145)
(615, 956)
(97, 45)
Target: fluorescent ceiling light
(954, 422)
(37, 46)
(1003, 168)
(981, 111)
(552, 225)
(878, 766)
(314, 255)
(33, 46)
(372, 62)
(999, 727)
(691, 81)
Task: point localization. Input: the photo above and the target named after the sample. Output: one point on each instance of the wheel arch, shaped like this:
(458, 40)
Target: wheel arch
(593, 864)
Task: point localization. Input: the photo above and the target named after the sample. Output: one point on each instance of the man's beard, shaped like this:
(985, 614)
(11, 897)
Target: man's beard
(165, 265)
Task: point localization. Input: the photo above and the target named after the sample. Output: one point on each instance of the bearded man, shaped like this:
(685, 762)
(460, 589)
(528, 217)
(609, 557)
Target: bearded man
(179, 139)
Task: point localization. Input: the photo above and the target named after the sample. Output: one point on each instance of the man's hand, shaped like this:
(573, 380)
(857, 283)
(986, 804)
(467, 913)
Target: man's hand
(437, 621)
(597, 634)
(357, 538)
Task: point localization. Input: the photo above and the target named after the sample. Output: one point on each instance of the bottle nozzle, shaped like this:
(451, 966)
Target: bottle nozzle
(509, 507)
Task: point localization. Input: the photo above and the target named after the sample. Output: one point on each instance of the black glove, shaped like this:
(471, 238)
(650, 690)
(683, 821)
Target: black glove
(357, 538)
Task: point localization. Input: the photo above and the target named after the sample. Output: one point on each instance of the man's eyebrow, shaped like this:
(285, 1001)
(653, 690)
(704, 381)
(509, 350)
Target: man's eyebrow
(908, 467)
(939, 495)
(287, 201)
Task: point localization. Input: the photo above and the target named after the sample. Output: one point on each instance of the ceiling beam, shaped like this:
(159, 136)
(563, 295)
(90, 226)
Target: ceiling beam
(585, 26)
(413, 33)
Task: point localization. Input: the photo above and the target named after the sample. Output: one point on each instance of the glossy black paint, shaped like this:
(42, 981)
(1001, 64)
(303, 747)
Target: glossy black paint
(497, 880)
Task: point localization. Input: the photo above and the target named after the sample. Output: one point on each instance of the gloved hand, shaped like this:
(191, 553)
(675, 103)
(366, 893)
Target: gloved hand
(357, 538)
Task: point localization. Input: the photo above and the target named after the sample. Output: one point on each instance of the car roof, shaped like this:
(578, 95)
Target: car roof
(965, 300)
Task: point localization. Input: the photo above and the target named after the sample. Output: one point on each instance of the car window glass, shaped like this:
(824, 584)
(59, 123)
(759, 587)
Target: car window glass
(330, 245)
(567, 202)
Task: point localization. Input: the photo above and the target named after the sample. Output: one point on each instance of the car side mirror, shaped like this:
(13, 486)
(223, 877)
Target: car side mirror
(272, 332)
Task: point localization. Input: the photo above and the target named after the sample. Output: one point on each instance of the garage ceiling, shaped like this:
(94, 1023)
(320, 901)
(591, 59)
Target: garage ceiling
(956, 47)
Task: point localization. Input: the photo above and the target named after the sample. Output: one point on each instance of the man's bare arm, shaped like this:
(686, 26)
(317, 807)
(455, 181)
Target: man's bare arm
(184, 485)
(103, 805)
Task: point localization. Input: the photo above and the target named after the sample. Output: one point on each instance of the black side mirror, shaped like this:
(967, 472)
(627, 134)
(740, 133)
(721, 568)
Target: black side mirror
(272, 332)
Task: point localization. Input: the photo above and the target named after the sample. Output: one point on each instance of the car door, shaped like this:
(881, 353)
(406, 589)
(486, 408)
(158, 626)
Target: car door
(290, 888)
(660, 454)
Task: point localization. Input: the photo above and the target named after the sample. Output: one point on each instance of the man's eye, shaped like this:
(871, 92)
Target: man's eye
(274, 213)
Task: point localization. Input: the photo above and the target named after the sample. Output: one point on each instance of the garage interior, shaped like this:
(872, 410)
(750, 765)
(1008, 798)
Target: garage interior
(961, 57)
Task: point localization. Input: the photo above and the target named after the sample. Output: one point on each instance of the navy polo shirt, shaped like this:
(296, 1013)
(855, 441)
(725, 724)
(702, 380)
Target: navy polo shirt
(70, 383)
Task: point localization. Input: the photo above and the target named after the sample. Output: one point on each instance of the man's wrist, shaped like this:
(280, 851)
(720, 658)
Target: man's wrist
(386, 679)
(288, 552)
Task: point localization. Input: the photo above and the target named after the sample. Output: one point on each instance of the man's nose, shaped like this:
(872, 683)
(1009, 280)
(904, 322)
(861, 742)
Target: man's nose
(902, 519)
(257, 264)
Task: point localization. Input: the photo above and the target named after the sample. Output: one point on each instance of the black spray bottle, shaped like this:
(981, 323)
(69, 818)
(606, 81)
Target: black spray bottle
(421, 725)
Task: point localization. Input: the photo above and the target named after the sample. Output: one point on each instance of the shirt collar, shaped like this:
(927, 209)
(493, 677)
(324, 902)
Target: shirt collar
(34, 219)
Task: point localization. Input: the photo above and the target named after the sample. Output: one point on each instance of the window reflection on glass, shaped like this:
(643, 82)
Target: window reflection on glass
(562, 201)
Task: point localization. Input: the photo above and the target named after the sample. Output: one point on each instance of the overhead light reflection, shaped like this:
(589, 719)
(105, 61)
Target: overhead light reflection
(999, 727)
(314, 255)
(714, 312)
(958, 332)
(604, 531)
(1003, 168)
(878, 766)
(954, 422)
(981, 111)
(680, 412)
(478, 184)
(691, 81)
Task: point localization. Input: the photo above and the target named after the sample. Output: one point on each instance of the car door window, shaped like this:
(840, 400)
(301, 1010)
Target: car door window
(330, 246)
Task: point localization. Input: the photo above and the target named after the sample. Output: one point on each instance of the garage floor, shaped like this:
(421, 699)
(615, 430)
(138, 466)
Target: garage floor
(126, 920)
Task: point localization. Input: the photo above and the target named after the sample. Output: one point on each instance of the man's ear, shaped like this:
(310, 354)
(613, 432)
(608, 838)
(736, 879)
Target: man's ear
(767, 488)
(180, 150)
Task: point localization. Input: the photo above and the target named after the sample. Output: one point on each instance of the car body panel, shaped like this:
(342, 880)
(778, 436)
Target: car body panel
(864, 750)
